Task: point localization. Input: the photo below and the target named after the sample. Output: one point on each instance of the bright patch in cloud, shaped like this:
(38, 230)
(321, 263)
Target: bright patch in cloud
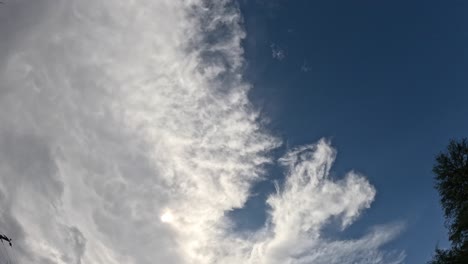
(167, 217)
(114, 111)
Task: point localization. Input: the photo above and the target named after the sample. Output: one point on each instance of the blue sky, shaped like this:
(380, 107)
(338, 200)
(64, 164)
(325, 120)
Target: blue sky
(384, 80)
(157, 131)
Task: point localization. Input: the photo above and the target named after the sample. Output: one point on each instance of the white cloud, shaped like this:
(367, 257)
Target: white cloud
(305, 67)
(277, 52)
(126, 135)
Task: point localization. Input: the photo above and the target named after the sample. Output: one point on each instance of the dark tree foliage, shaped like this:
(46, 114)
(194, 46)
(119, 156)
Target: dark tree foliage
(451, 175)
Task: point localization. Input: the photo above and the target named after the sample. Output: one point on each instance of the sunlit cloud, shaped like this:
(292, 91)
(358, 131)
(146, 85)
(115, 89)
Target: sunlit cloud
(126, 135)
(167, 217)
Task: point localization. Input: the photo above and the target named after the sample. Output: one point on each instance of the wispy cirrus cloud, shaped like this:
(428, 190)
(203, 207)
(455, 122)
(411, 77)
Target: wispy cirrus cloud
(277, 52)
(126, 134)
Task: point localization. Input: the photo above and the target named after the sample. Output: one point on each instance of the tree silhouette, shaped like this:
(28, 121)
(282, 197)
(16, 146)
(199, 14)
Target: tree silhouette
(451, 180)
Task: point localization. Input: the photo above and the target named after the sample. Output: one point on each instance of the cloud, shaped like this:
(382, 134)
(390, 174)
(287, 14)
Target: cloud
(277, 52)
(116, 113)
(309, 200)
(305, 67)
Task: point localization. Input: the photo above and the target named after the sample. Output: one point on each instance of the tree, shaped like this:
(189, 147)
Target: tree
(451, 181)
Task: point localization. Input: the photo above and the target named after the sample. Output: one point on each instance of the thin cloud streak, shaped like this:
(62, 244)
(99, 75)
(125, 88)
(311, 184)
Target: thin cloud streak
(277, 52)
(126, 134)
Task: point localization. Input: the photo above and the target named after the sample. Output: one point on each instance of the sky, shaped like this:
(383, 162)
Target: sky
(203, 131)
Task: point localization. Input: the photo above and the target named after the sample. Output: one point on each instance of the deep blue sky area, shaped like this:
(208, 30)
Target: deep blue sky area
(386, 81)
